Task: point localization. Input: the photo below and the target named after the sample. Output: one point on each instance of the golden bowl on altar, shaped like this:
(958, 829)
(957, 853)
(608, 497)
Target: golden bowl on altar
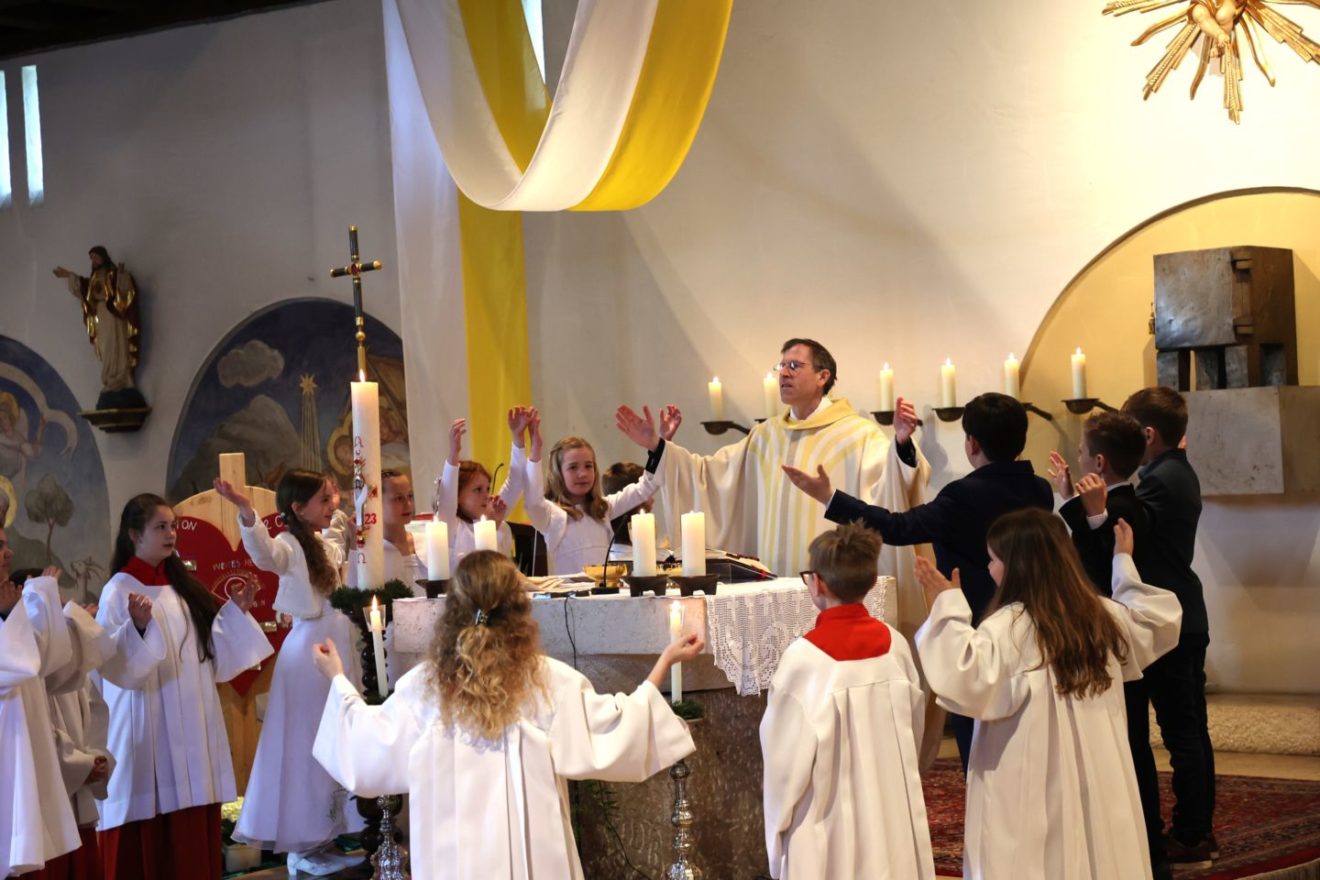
(615, 573)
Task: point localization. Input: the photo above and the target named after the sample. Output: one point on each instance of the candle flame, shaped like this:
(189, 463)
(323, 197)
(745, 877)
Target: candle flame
(1011, 356)
(886, 366)
(948, 362)
(374, 606)
(1079, 349)
(362, 375)
(715, 381)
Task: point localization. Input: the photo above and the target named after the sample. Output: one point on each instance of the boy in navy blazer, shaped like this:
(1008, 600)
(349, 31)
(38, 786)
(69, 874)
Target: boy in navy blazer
(957, 519)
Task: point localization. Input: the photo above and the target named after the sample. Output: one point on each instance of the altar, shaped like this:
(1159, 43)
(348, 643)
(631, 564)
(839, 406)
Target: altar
(614, 641)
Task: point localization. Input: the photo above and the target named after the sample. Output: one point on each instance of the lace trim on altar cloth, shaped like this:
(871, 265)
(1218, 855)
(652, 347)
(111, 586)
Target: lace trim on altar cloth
(750, 632)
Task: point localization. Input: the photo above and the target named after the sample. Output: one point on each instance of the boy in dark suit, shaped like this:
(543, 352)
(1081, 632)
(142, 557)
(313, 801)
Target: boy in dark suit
(1171, 494)
(1112, 447)
(957, 519)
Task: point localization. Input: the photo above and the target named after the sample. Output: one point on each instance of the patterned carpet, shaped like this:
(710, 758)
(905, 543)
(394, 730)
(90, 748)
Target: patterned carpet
(1262, 824)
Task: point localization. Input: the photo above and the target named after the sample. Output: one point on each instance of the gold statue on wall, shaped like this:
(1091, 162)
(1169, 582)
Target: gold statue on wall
(1213, 28)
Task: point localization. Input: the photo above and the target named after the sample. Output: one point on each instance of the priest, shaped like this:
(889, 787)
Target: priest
(751, 507)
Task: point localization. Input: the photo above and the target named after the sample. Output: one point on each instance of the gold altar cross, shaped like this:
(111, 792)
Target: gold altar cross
(354, 269)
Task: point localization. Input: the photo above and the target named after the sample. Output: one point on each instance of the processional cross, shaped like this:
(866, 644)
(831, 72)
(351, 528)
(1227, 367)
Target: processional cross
(354, 269)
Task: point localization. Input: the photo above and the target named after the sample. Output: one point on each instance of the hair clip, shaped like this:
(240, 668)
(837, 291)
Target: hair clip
(482, 618)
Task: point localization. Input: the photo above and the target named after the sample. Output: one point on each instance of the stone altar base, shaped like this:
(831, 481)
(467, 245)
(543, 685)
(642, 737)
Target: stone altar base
(725, 791)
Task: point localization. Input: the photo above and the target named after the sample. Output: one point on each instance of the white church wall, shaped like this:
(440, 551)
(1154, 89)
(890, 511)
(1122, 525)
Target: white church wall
(909, 182)
(222, 163)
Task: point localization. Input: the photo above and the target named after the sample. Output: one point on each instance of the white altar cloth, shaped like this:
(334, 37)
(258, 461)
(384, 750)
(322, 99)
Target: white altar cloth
(747, 627)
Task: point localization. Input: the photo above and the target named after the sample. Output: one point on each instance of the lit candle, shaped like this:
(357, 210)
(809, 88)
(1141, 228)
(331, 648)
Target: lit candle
(694, 543)
(484, 531)
(1079, 374)
(1012, 377)
(377, 627)
(642, 528)
(675, 671)
(716, 399)
(369, 556)
(770, 390)
(886, 389)
(948, 384)
(437, 550)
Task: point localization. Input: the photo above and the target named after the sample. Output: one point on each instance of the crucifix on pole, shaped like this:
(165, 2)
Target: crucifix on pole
(354, 269)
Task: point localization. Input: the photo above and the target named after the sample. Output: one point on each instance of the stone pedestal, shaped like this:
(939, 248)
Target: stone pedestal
(1255, 441)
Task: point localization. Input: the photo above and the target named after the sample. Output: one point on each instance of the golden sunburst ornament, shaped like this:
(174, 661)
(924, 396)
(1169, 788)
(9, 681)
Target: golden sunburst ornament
(1212, 27)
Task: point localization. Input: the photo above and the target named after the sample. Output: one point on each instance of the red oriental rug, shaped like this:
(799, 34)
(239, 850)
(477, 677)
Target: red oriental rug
(1262, 824)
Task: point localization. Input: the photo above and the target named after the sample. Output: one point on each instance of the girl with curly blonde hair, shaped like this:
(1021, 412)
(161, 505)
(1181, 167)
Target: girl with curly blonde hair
(484, 733)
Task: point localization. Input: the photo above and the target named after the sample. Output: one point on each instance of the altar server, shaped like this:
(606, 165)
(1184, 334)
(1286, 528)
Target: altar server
(80, 722)
(840, 733)
(304, 818)
(36, 822)
(484, 733)
(566, 504)
(462, 492)
(167, 732)
(1051, 793)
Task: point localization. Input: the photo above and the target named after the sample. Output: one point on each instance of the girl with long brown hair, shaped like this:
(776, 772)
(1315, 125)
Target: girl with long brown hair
(304, 818)
(483, 734)
(174, 643)
(567, 506)
(1051, 792)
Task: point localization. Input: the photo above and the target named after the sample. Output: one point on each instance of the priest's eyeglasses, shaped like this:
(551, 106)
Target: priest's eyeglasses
(790, 367)
(807, 576)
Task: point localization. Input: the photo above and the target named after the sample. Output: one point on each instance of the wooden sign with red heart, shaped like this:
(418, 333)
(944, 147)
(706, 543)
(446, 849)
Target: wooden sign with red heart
(222, 567)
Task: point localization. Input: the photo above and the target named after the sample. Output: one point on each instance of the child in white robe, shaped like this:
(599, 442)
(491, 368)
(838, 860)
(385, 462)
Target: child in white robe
(462, 491)
(1051, 791)
(81, 724)
(401, 562)
(841, 731)
(566, 504)
(174, 643)
(36, 822)
(301, 819)
(484, 734)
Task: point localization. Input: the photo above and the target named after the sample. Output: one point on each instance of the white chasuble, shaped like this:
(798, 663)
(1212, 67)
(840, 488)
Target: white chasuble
(842, 790)
(167, 731)
(36, 821)
(496, 809)
(1051, 793)
(752, 508)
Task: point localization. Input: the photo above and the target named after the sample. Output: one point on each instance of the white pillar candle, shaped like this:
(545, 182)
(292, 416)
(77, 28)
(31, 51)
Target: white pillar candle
(948, 384)
(437, 550)
(694, 543)
(1012, 377)
(886, 389)
(675, 671)
(716, 399)
(1079, 374)
(377, 626)
(485, 534)
(369, 556)
(770, 390)
(642, 528)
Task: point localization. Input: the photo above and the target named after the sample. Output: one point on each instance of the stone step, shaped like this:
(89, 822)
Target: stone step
(1278, 724)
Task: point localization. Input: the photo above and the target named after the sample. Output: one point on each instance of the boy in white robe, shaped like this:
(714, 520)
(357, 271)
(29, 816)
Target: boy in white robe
(36, 823)
(495, 803)
(842, 787)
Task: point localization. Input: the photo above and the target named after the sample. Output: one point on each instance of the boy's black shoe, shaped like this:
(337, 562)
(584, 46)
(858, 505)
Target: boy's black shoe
(1197, 856)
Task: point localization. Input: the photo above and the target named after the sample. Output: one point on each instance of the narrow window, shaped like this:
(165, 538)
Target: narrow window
(32, 131)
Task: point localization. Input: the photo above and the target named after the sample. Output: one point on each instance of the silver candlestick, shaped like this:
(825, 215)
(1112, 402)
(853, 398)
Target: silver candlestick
(390, 860)
(682, 867)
